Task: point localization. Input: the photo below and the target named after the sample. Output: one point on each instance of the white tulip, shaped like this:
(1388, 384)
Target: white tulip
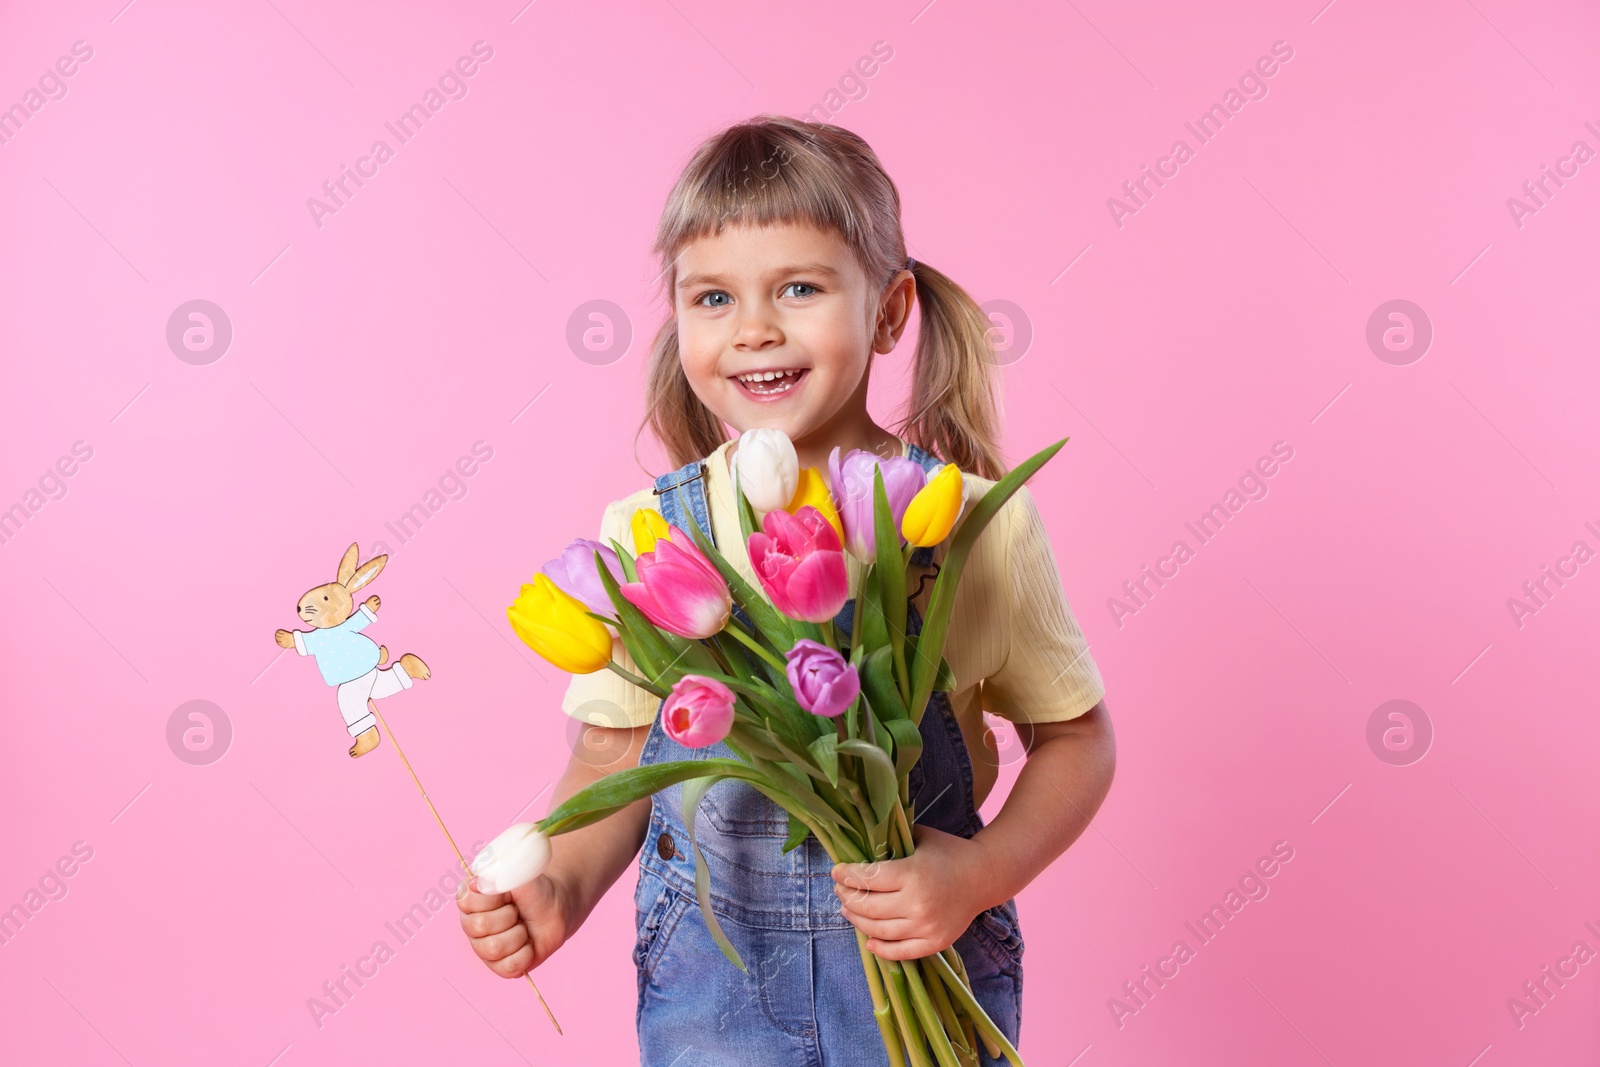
(513, 859)
(766, 468)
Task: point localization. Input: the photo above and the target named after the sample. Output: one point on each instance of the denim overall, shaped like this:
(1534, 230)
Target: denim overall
(804, 998)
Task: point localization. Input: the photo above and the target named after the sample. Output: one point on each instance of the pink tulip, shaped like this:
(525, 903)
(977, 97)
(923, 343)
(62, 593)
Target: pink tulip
(678, 588)
(698, 712)
(800, 564)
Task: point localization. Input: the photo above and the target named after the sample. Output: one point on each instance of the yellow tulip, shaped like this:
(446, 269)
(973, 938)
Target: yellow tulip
(554, 624)
(934, 510)
(648, 525)
(813, 490)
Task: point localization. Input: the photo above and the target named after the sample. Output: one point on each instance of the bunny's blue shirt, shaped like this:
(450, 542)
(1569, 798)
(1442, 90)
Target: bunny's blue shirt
(343, 655)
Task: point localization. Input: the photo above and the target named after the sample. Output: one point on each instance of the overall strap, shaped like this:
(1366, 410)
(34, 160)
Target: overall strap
(683, 493)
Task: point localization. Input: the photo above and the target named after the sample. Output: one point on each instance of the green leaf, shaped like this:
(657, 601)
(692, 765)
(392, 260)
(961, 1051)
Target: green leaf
(869, 612)
(883, 787)
(891, 571)
(741, 661)
(930, 646)
(840, 829)
(877, 682)
(797, 833)
(795, 761)
(754, 743)
(617, 790)
(625, 558)
(644, 642)
(747, 514)
(800, 794)
(812, 630)
(945, 680)
(824, 750)
(631, 643)
(880, 734)
(692, 792)
(907, 744)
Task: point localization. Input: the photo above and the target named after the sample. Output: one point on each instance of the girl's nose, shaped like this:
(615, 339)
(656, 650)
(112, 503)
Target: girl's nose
(756, 330)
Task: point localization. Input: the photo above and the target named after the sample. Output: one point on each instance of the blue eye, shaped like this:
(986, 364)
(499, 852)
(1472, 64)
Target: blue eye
(802, 285)
(715, 292)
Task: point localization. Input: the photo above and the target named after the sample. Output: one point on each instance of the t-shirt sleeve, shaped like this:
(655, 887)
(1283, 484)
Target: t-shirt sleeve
(604, 698)
(1048, 674)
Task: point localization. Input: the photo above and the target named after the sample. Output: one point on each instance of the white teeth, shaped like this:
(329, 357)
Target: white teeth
(784, 380)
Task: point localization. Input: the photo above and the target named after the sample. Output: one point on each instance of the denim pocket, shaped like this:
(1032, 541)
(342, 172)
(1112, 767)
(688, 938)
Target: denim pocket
(999, 936)
(647, 922)
(736, 809)
(655, 930)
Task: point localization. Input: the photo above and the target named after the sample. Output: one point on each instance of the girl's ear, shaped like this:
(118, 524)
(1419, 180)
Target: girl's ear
(347, 565)
(366, 572)
(894, 314)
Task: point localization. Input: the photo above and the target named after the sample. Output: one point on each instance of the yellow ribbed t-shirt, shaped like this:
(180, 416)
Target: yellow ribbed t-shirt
(1013, 645)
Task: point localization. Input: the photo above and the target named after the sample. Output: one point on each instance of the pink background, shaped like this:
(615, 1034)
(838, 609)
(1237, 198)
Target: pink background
(1227, 314)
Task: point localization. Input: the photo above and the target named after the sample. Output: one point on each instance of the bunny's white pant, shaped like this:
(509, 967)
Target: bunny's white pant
(376, 684)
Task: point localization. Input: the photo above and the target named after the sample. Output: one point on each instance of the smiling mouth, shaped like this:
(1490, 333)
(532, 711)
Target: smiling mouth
(770, 382)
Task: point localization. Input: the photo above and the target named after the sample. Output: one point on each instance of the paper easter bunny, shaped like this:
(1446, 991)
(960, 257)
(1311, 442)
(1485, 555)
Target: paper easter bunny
(348, 659)
(352, 663)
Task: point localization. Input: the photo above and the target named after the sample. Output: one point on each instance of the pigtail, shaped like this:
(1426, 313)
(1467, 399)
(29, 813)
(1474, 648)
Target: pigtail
(952, 408)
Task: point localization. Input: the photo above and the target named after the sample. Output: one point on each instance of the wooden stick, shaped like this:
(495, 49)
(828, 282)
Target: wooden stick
(465, 867)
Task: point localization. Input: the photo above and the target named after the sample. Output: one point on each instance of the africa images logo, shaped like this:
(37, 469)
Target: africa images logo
(452, 85)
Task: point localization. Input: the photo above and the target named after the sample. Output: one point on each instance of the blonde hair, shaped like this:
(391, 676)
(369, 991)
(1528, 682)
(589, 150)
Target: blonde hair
(772, 170)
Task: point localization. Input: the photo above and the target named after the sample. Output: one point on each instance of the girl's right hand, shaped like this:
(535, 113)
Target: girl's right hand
(517, 931)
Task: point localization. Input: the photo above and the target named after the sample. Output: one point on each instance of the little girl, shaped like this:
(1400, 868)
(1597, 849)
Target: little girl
(786, 271)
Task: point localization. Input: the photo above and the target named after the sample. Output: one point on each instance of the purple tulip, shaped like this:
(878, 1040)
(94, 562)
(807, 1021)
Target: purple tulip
(574, 573)
(823, 682)
(851, 484)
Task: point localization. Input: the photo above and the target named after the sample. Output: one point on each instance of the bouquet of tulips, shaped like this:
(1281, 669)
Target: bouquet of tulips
(829, 731)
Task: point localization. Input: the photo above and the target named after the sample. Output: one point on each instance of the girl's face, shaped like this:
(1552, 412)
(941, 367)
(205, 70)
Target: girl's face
(789, 300)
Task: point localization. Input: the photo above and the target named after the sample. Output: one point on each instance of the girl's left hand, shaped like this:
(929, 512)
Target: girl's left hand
(916, 906)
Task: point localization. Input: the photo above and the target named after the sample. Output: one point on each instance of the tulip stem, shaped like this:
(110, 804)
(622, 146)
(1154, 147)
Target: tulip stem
(948, 1015)
(902, 676)
(882, 1010)
(905, 1014)
(901, 673)
(647, 686)
(905, 828)
(718, 655)
(987, 1030)
(466, 868)
(753, 645)
(855, 618)
(932, 1025)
